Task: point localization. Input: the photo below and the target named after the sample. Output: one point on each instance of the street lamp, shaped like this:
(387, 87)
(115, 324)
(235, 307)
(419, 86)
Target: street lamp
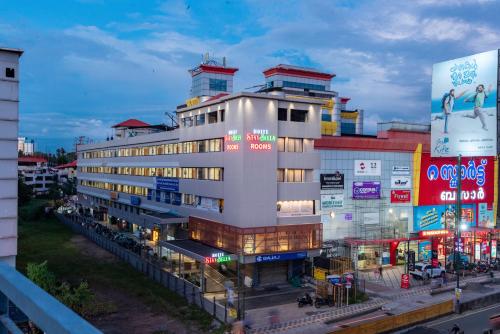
(458, 227)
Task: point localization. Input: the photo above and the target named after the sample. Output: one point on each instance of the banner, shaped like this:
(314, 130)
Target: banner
(438, 180)
(440, 217)
(400, 196)
(366, 190)
(464, 106)
(367, 167)
(400, 182)
(332, 181)
(332, 201)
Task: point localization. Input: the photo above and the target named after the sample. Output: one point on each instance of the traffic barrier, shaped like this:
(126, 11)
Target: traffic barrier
(403, 320)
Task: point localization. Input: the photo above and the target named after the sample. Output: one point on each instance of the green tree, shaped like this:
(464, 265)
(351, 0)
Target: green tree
(24, 192)
(41, 276)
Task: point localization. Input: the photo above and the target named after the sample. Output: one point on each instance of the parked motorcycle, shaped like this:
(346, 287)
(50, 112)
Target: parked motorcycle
(482, 267)
(320, 301)
(304, 300)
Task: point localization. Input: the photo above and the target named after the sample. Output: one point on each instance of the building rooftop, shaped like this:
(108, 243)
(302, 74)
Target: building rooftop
(72, 164)
(298, 71)
(131, 123)
(18, 51)
(32, 159)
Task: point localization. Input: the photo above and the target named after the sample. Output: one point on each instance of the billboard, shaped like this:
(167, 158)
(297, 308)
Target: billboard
(438, 217)
(332, 181)
(464, 106)
(438, 181)
(400, 196)
(400, 182)
(367, 167)
(366, 190)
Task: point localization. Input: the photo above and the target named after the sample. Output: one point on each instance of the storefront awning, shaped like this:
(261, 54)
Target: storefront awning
(198, 251)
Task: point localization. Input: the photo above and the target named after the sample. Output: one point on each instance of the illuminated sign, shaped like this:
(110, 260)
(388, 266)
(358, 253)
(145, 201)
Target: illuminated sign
(193, 101)
(493, 248)
(433, 233)
(231, 141)
(260, 140)
(219, 257)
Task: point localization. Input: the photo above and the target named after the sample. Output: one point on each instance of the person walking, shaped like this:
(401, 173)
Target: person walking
(478, 100)
(447, 104)
(380, 272)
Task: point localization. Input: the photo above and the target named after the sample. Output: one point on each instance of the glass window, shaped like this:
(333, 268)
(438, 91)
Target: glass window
(212, 117)
(282, 114)
(297, 115)
(295, 145)
(218, 84)
(281, 175)
(222, 113)
(187, 122)
(200, 119)
(281, 144)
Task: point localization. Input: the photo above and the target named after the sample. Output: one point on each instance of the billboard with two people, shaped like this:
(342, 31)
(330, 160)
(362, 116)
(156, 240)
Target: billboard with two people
(464, 106)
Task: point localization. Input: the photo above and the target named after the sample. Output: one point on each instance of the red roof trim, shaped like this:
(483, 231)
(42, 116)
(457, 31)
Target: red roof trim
(358, 143)
(71, 164)
(31, 159)
(131, 123)
(298, 73)
(214, 69)
(216, 97)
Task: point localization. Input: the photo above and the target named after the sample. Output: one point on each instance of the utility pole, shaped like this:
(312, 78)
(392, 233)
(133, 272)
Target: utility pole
(458, 219)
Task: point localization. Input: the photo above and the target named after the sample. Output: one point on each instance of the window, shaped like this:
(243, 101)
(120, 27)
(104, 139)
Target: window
(189, 199)
(303, 85)
(212, 117)
(202, 146)
(281, 144)
(222, 113)
(295, 175)
(200, 119)
(187, 122)
(297, 115)
(10, 72)
(218, 84)
(295, 145)
(281, 175)
(282, 114)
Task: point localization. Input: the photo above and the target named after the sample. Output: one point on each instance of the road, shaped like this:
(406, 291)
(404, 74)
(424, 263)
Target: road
(472, 322)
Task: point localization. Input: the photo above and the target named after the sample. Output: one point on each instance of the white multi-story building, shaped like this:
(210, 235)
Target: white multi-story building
(9, 119)
(25, 145)
(238, 169)
(35, 173)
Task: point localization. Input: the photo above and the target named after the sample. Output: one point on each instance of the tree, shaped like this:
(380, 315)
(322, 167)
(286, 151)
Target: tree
(25, 192)
(41, 276)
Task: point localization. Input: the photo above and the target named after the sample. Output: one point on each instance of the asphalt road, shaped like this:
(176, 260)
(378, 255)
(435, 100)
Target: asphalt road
(472, 322)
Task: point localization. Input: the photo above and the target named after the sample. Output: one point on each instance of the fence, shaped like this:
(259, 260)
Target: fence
(153, 269)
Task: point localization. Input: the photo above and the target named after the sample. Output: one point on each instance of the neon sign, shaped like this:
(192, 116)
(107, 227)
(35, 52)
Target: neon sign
(260, 140)
(232, 140)
(217, 258)
(448, 172)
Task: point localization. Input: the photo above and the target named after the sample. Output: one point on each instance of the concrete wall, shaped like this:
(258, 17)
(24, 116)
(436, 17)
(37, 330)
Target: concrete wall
(9, 119)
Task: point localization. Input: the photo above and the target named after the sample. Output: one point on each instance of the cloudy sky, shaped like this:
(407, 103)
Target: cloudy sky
(89, 64)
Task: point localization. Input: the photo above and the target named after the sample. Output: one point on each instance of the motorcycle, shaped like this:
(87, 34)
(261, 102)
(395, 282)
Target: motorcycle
(304, 300)
(320, 301)
(482, 267)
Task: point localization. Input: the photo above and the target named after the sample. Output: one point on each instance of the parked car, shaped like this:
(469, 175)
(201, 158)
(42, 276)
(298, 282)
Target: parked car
(426, 271)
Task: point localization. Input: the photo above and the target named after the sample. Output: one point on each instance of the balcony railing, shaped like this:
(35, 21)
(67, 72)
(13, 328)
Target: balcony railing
(46, 312)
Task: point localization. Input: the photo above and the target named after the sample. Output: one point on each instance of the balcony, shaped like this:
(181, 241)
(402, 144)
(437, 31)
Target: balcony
(42, 309)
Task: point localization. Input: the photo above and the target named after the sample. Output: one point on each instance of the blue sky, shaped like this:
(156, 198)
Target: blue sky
(90, 64)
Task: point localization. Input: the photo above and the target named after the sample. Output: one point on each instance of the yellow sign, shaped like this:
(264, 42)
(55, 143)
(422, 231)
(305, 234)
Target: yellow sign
(320, 274)
(232, 312)
(193, 101)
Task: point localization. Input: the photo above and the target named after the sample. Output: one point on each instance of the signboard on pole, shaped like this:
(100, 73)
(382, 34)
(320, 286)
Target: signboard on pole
(464, 106)
(405, 281)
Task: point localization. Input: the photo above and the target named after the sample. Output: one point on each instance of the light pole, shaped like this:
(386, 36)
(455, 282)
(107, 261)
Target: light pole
(458, 217)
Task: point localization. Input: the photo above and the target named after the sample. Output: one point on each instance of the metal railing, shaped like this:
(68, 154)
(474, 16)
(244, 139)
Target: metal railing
(41, 308)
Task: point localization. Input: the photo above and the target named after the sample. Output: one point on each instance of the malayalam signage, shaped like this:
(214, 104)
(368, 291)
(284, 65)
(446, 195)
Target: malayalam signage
(281, 257)
(464, 106)
(400, 196)
(332, 181)
(367, 167)
(332, 201)
(167, 184)
(366, 190)
(400, 182)
(438, 180)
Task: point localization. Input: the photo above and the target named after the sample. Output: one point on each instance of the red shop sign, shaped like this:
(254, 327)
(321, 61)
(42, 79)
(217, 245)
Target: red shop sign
(400, 196)
(438, 180)
(405, 281)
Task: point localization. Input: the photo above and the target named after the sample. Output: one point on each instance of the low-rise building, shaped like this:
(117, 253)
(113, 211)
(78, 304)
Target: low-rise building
(35, 173)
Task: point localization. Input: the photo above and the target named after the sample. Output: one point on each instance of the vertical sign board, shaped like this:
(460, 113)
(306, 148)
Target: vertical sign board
(493, 249)
(464, 106)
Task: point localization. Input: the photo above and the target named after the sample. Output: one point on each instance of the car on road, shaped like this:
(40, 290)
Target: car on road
(427, 271)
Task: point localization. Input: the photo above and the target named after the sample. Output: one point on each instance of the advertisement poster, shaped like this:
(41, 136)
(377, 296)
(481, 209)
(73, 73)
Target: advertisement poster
(438, 180)
(400, 170)
(371, 218)
(332, 181)
(400, 196)
(366, 190)
(424, 251)
(367, 167)
(400, 182)
(464, 107)
(440, 217)
(493, 248)
(485, 216)
(332, 201)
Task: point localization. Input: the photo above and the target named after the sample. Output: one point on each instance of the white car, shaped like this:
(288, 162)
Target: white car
(426, 271)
